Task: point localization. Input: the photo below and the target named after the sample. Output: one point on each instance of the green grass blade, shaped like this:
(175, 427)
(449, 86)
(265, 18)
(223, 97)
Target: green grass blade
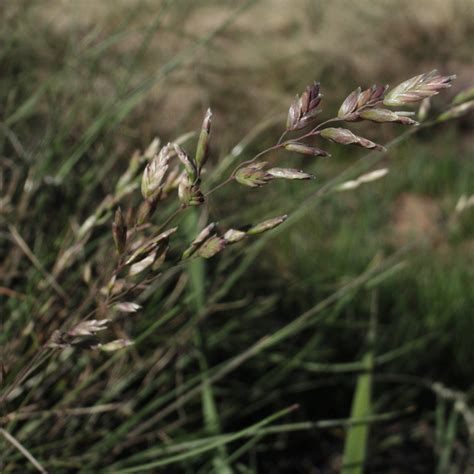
(197, 279)
(220, 441)
(185, 446)
(447, 442)
(355, 448)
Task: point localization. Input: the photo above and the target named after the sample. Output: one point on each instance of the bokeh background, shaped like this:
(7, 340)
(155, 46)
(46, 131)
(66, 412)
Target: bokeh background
(83, 85)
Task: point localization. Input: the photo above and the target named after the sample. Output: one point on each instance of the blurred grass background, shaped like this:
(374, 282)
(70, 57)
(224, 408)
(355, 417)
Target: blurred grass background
(83, 84)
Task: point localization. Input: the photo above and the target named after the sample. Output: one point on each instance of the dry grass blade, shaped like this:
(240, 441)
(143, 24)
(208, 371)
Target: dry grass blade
(23, 450)
(27, 251)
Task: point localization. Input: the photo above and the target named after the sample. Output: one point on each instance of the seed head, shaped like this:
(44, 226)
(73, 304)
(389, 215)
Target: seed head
(305, 149)
(303, 109)
(233, 235)
(88, 328)
(346, 137)
(204, 234)
(417, 88)
(359, 99)
(371, 96)
(57, 340)
(289, 173)
(202, 150)
(266, 225)
(155, 172)
(310, 99)
(253, 175)
(115, 345)
(349, 106)
(143, 264)
(199, 240)
(385, 115)
(189, 194)
(211, 246)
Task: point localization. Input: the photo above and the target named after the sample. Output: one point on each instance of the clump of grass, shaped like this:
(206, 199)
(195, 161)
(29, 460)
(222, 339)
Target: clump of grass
(146, 245)
(151, 268)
